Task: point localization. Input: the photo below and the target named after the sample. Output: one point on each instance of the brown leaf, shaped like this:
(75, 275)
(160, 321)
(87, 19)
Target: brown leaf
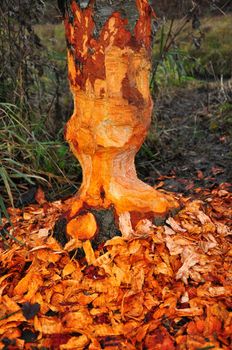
(40, 196)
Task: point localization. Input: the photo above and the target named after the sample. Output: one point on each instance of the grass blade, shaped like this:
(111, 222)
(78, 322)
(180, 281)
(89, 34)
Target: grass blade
(5, 178)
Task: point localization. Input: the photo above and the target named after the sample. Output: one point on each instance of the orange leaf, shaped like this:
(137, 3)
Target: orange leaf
(83, 227)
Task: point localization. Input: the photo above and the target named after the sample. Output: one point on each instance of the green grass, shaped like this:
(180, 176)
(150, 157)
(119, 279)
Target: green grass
(29, 156)
(213, 58)
(215, 53)
(184, 62)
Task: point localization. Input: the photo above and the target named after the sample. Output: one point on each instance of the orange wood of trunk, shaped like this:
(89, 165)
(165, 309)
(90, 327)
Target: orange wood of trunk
(109, 79)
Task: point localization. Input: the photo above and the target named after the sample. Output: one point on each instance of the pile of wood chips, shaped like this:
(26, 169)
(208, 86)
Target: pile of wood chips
(167, 288)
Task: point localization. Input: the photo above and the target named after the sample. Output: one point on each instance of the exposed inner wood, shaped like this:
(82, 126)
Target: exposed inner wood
(109, 79)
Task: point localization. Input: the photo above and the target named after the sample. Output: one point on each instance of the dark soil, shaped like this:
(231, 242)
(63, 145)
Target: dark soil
(193, 129)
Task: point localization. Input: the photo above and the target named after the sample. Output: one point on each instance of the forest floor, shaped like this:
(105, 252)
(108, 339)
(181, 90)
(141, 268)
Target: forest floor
(190, 138)
(166, 287)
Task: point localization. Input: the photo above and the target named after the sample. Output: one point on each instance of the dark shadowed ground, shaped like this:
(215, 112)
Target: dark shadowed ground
(193, 127)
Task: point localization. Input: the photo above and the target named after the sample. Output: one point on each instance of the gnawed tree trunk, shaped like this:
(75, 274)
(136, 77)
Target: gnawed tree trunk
(109, 78)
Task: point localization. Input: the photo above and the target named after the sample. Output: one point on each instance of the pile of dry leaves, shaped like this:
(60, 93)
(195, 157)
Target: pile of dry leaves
(169, 287)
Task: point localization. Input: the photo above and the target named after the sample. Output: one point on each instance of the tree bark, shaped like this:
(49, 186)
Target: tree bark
(109, 79)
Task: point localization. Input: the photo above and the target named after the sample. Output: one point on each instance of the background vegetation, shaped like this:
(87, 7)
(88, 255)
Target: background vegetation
(192, 52)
